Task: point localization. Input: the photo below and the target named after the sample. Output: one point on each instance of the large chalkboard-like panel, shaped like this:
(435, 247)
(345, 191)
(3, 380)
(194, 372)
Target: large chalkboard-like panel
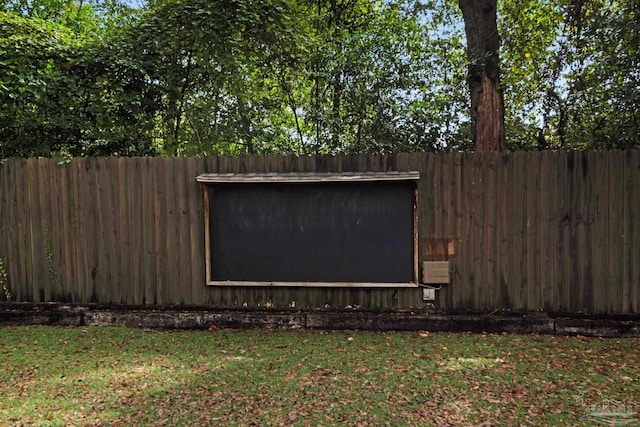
(343, 232)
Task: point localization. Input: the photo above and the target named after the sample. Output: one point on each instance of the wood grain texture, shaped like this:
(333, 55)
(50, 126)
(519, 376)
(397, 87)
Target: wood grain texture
(554, 231)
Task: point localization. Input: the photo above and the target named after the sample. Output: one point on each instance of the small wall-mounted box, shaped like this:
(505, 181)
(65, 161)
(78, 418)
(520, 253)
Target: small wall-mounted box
(435, 272)
(428, 294)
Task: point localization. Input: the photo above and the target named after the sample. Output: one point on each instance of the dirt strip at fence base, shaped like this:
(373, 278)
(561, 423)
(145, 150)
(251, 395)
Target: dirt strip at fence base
(204, 318)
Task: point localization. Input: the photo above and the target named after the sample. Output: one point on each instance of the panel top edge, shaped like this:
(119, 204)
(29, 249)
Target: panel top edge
(308, 177)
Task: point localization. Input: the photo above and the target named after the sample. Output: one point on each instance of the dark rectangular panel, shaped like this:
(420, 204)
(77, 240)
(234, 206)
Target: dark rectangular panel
(312, 232)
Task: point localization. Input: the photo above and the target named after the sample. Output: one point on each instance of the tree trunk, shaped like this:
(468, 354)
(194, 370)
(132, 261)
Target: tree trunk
(487, 103)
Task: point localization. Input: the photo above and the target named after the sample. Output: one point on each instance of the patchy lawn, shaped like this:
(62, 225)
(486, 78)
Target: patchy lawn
(119, 376)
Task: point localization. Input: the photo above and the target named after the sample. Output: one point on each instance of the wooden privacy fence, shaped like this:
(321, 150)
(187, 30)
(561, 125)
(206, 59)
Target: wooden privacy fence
(552, 231)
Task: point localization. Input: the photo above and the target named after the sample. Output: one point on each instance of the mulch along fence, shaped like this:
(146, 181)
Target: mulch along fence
(524, 231)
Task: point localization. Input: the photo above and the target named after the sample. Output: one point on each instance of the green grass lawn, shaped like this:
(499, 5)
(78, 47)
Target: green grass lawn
(120, 376)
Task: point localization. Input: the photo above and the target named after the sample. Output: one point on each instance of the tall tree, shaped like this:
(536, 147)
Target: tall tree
(483, 44)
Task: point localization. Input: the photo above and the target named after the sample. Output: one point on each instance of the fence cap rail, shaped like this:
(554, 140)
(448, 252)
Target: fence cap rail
(308, 177)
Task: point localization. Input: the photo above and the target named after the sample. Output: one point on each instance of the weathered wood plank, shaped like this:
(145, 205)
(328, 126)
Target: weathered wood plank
(633, 168)
(463, 295)
(79, 215)
(601, 229)
(113, 244)
(170, 248)
(566, 248)
(39, 233)
(5, 220)
(629, 229)
(46, 187)
(160, 220)
(133, 216)
(478, 203)
(491, 241)
(148, 190)
(66, 284)
(19, 238)
(300, 177)
(546, 224)
(435, 272)
(13, 249)
(195, 222)
(617, 298)
(590, 221)
(585, 231)
(504, 194)
(534, 294)
(107, 290)
(457, 201)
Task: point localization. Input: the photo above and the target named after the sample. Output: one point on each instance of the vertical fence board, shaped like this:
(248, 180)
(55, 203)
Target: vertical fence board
(601, 228)
(629, 230)
(455, 261)
(161, 215)
(147, 224)
(50, 237)
(180, 256)
(60, 230)
(590, 221)
(555, 225)
(25, 237)
(135, 214)
(5, 219)
(566, 221)
(115, 232)
(93, 230)
(170, 248)
(40, 233)
(67, 282)
(517, 263)
(24, 232)
(463, 292)
(504, 194)
(582, 266)
(478, 203)
(616, 230)
(104, 213)
(80, 229)
(582, 189)
(97, 261)
(534, 299)
(634, 230)
(71, 223)
(12, 248)
(546, 224)
(438, 200)
(490, 242)
(195, 222)
(107, 178)
(124, 233)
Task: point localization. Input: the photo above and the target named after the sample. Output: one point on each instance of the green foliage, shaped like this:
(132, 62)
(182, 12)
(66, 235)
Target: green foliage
(65, 92)
(3, 282)
(571, 79)
(179, 77)
(48, 255)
